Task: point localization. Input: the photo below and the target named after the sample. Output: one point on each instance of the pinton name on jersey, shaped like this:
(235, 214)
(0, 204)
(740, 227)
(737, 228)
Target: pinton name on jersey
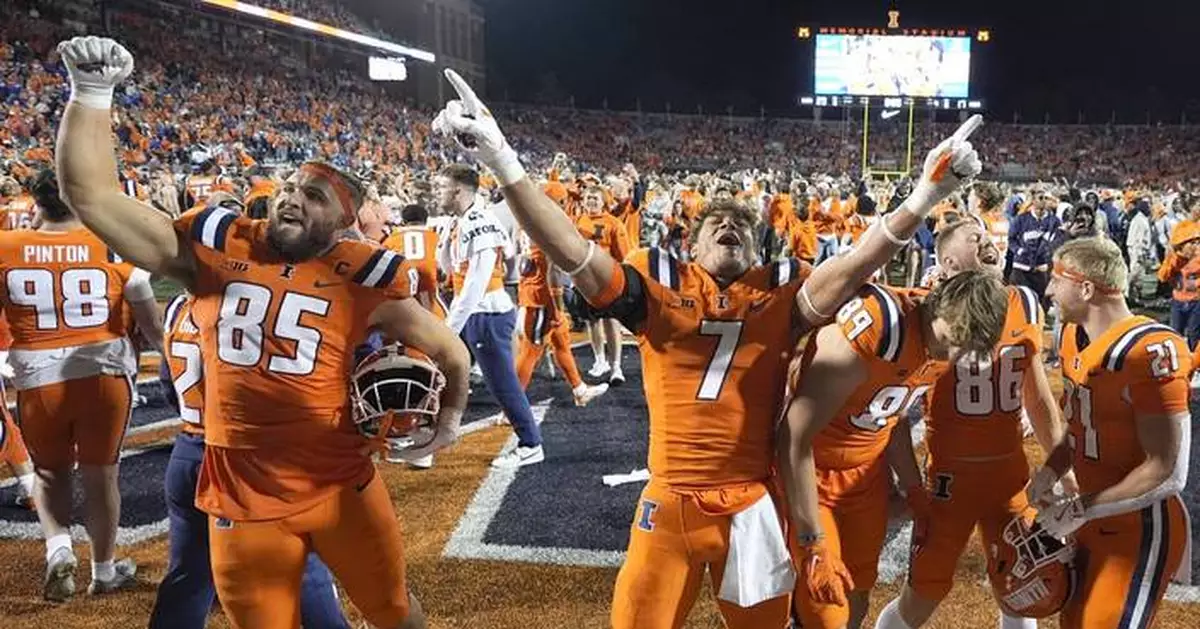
(49, 254)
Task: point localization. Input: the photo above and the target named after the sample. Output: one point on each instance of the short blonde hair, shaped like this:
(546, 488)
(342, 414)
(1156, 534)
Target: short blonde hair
(1098, 259)
(975, 305)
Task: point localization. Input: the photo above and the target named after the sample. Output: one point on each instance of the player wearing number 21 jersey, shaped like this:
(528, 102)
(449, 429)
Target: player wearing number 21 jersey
(1126, 400)
(858, 375)
(69, 301)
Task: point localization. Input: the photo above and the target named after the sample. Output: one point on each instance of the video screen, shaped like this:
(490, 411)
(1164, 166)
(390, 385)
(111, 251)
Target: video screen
(384, 69)
(893, 65)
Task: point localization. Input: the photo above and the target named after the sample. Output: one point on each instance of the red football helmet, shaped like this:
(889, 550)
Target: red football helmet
(1031, 571)
(397, 397)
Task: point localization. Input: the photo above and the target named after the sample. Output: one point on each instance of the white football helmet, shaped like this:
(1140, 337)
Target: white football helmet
(396, 397)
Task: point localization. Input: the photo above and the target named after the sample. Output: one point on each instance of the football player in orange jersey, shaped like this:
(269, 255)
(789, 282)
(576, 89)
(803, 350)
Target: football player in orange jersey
(876, 363)
(977, 470)
(280, 305)
(542, 321)
(418, 243)
(1126, 402)
(65, 294)
(604, 229)
(186, 593)
(714, 336)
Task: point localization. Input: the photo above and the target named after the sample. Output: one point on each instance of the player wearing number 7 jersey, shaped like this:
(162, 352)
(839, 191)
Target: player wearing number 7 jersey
(69, 299)
(281, 305)
(1126, 401)
(714, 336)
(857, 377)
(976, 469)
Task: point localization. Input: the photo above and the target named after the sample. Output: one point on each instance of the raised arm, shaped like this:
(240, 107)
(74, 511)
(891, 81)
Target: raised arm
(87, 167)
(826, 383)
(472, 124)
(835, 280)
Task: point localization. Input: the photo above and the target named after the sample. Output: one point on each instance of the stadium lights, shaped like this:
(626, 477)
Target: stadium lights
(803, 32)
(983, 36)
(324, 29)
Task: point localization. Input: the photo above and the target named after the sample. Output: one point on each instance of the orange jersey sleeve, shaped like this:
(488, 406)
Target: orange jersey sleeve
(181, 343)
(975, 406)
(886, 334)
(62, 289)
(1136, 368)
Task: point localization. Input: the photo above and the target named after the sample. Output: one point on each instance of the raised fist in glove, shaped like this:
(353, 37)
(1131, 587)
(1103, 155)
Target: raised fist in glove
(472, 125)
(946, 167)
(824, 575)
(96, 65)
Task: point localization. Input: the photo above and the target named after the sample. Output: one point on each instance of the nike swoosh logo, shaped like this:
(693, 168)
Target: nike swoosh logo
(889, 114)
(1017, 333)
(326, 284)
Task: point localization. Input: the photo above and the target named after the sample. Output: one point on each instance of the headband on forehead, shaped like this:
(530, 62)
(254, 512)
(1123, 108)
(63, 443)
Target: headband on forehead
(340, 187)
(1074, 276)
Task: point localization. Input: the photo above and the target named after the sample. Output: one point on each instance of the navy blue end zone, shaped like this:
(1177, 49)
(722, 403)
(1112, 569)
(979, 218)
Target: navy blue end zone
(563, 503)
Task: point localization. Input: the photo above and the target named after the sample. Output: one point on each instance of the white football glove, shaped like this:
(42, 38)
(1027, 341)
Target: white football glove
(946, 167)
(1063, 518)
(472, 125)
(96, 65)
(1041, 487)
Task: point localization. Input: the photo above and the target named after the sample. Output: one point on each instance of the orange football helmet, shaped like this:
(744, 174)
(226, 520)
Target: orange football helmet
(396, 397)
(1031, 571)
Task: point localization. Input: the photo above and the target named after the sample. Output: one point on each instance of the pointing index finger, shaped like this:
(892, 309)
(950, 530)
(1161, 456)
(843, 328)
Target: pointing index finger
(967, 128)
(465, 93)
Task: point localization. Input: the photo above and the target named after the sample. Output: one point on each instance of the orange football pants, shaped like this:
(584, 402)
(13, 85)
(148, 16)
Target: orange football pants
(542, 324)
(12, 445)
(80, 420)
(258, 566)
(675, 535)
(853, 504)
(964, 494)
(1124, 564)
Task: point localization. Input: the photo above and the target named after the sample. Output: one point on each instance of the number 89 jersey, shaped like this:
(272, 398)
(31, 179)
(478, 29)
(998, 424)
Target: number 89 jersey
(886, 334)
(975, 406)
(1137, 366)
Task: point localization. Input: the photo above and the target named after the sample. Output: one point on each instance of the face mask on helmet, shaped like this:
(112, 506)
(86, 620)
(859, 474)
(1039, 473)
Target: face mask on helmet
(397, 397)
(1031, 571)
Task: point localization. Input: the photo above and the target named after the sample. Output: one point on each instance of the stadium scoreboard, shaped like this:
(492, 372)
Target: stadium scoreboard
(892, 67)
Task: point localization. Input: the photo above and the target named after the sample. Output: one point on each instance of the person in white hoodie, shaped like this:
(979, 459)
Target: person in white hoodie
(1139, 242)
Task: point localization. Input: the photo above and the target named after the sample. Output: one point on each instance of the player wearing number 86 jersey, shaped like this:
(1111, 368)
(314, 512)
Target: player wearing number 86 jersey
(976, 469)
(69, 301)
(1126, 400)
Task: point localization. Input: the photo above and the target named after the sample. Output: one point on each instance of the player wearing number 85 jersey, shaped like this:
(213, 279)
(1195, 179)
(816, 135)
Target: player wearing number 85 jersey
(281, 305)
(69, 299)
(714, 336)
(976, 469)
(1126, 400)
(186, 593)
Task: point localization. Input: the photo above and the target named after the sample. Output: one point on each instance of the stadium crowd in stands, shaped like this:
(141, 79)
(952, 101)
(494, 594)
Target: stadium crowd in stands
(208, 95)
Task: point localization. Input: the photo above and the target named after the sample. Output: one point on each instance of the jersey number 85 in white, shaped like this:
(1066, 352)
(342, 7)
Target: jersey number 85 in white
(240, 328)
